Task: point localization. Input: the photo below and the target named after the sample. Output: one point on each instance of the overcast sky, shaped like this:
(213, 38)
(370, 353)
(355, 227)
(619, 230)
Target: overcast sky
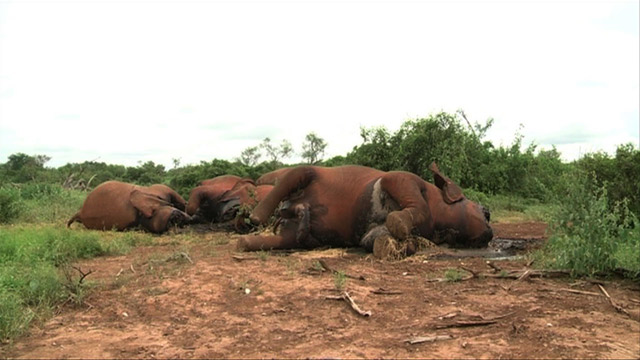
(119, 81)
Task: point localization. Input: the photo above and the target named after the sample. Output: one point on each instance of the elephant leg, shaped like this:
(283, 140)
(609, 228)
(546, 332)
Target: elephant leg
(294, 180)
(407, 190)
(286, 239)
(293, 234)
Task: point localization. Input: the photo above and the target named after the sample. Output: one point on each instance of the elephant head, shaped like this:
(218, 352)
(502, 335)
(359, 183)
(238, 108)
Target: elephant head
(206, 202)
(169, 195)
(218, 204)
(458, 221)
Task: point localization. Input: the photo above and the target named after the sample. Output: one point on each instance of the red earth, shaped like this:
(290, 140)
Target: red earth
(194, 296)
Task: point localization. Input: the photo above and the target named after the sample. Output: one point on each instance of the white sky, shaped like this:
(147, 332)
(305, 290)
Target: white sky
(122, 81)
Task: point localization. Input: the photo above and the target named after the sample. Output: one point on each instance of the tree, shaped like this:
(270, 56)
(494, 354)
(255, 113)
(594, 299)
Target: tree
(276, 153)
(22, 167)
(313, 148)
(250, 156)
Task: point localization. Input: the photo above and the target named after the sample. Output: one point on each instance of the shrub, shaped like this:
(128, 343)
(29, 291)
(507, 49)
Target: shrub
(10, 205)
(591, 235)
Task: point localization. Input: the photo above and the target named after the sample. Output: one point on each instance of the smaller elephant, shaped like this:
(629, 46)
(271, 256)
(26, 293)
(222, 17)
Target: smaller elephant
(120, 206)
(219, 201)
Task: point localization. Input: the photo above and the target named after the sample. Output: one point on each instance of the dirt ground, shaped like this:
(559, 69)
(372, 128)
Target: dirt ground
(195, 297)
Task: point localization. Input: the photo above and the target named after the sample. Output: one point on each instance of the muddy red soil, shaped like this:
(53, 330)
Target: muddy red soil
(195, 297)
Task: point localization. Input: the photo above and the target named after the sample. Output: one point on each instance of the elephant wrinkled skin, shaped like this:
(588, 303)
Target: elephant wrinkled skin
(219, 199)
(120, 206)
(355, 205)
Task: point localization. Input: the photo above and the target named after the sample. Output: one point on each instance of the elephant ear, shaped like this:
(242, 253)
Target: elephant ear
(146, 203)
(450, 191)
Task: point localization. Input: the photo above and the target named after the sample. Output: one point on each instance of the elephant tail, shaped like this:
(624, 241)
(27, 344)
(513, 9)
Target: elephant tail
(74, 218)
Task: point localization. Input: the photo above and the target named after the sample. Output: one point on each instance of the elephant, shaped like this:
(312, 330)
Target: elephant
(220, 198)
(271, 178)
(226, 181)
(358, 206)
(118, 205)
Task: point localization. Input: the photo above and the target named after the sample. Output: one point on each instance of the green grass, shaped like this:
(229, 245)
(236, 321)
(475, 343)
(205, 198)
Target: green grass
(453, 275)
(35, 273)
(339, 280)
(38, 203)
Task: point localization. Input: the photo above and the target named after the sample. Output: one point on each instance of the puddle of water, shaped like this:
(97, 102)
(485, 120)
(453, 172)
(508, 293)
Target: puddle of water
(498, 249)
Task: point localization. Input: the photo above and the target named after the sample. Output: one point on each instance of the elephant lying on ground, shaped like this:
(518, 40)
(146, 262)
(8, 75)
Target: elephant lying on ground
(221, 198)
(118, 205)
(357, 206)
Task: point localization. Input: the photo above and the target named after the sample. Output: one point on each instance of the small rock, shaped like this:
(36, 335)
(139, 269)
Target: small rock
(125, 314)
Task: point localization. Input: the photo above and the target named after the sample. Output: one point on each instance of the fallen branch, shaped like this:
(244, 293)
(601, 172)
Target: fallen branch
(243, 258)
(580, 292)
(495, 268)
(355, 306)
(324, 265)
(615, 306)
(345, 296)
(524, 275)
(422, 339)
(82, 274)
(472, 272)
(463, 323)
(382, 291)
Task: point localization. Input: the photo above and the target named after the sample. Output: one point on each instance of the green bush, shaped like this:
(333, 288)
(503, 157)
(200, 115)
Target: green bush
(48, 203)
(591, 235)
(10, 205)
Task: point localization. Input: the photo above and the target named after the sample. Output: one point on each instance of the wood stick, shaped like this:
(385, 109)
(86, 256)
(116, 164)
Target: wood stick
(581, 292)
(242, 258)
(382, 291)
(355, 306)
(472, 272)
(467, 324)
(422, 339)
(615, 306)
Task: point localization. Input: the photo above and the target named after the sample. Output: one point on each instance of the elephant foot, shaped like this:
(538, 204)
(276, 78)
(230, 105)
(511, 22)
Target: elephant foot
(399, 224)
(385, 247)
(264, 242)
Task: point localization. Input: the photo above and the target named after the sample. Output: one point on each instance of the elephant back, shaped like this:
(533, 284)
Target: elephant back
(108, 207)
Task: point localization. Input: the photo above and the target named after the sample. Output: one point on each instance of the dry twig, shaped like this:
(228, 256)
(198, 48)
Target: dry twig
(467, 323)
(382, 291)
(345, 296)
(422, 339)
(242, 258)
(615, 306)
(580, 292)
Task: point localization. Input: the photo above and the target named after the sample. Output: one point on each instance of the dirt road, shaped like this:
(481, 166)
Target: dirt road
(195, 297)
